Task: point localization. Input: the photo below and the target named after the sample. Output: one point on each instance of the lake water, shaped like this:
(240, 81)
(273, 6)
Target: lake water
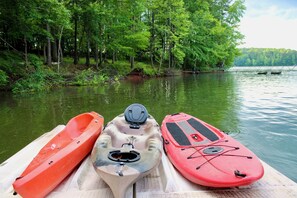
(258, 110)
(262, 68)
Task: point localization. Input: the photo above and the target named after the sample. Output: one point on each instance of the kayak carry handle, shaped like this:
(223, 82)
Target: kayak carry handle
(237, 173)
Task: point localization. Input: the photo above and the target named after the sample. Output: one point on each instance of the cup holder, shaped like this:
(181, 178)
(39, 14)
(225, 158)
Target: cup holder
(128, 157)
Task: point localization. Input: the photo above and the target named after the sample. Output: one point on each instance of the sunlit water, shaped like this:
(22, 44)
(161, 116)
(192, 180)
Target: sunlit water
(259, 110)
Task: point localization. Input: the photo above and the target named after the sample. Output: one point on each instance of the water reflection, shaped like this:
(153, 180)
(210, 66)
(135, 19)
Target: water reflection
(261, 108)
(210, 97)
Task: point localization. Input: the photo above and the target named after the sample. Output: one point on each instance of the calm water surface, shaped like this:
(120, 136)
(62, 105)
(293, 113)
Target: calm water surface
(259, 110)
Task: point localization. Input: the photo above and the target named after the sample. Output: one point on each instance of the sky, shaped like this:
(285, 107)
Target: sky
(270, 24)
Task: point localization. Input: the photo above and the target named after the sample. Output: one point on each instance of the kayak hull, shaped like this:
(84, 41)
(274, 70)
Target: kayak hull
(60, 156)
(122, 155)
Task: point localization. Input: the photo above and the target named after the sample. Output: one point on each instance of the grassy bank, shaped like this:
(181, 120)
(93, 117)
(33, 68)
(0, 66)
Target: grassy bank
(18, 77)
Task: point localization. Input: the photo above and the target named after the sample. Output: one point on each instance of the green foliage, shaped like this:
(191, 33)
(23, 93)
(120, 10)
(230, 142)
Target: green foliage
(266, 57)
(147, 69)
(214, 36)
(120, 68)
(38, 80)
(188, 34)
(136, 41)
(35, 61)
(3, 78)
(32, 83)
(89, 77)
(169, 25)
(12, 63)
(53, 79)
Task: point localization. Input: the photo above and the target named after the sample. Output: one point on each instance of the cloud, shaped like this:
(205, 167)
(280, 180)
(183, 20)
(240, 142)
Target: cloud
(267, 32)
(269, 25)
(271, 10)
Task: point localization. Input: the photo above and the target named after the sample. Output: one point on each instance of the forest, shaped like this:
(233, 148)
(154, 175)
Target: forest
(44, 41)
(266, 57)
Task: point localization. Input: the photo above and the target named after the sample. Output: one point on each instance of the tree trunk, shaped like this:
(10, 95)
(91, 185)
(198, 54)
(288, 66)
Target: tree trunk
(169, 45)
(75, 58)
(54, 51)
(44, 54)
(26, 51)
(101, 58)
(88, 51)
(169, 56)
(60, 53)
(80, 44)
(132, 61)
(113, 57)
(96, 56)
(49, 56)
(152, 43)
(163, 52)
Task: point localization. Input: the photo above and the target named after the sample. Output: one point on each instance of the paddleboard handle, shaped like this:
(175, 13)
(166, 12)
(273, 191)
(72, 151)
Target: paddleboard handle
(237, 173)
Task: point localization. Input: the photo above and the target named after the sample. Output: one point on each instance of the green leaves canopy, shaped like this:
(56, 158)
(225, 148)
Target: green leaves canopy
(213, 35)
(190, 33)
(266, 57)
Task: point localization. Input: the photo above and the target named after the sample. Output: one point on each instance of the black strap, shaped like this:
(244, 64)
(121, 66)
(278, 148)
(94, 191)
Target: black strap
(206, 132)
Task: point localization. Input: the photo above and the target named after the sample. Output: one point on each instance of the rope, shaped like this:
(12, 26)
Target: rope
(232, 148)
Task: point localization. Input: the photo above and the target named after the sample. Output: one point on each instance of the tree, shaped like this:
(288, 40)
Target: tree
(136, 36)
(266, 57)
(169, 25)
(55, 17)
(33, 22)
(192, 34)
(214, 36)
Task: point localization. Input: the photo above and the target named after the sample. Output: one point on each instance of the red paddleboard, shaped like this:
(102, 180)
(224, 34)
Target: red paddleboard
(205, 155)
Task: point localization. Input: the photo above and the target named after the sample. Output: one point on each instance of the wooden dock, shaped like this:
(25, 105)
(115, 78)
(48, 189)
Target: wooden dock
(164, 182)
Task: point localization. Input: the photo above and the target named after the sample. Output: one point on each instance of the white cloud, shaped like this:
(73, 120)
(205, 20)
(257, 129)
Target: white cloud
(269, 26)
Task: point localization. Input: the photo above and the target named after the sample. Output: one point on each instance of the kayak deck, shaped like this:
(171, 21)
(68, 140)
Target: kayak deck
(164, 182)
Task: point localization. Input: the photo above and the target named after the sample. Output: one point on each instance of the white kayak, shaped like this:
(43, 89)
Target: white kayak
(128, 149)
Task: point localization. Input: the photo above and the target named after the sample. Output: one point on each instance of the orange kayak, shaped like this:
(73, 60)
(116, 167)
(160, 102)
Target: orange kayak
(60, 156)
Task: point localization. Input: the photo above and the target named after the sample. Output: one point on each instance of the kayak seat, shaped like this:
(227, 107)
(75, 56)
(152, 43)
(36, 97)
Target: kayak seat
(206, 132)
(120, 132)
(135, 115)
(178, 135)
